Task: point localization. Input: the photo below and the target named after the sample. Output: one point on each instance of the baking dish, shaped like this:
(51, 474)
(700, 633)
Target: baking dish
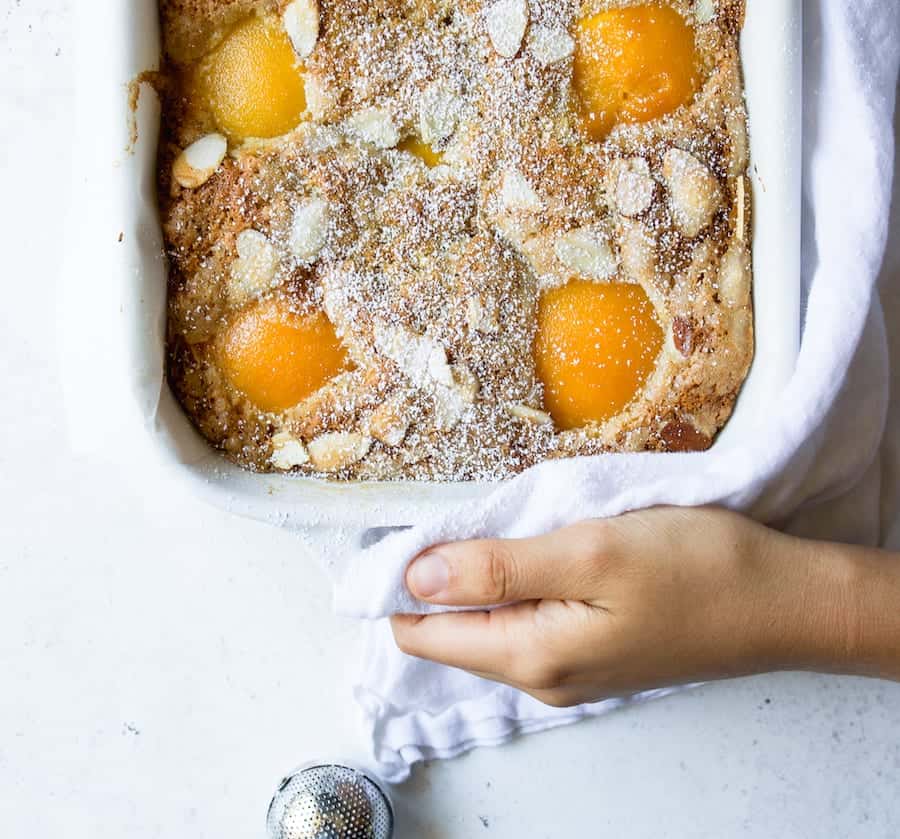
(118, 242)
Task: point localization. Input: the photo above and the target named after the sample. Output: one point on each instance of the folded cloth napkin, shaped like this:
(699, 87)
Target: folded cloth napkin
(821, 438)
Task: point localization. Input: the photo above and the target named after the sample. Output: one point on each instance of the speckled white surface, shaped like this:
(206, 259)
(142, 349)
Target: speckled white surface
(151, 689)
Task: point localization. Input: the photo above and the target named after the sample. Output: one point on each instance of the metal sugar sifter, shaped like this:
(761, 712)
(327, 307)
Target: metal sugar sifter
(330, 801)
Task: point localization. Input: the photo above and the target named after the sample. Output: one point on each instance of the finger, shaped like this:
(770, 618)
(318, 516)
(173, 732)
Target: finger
(561, 697)
(501, 645)
(558, 566)
(565, 697)
(477, 641)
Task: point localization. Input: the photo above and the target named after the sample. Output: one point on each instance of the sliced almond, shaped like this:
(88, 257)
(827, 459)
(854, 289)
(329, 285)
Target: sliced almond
(439, 111)
(632, 185)
(320, 99)
(466, 383)
(481, 315)
(288, 451)
(309, 230)
(587, 252)
(506, 21)
(519, 229)
(517, 194)
(392, 432)
(550, 45)
(420, 358)
(199, 161)
(740, 220)
(335, 451)
(449, 408)
(301, 22)
(424, 362)
(734, 277)
(451, 403)
(694, 191)
(704, 11)
(321, 138)
(375, 126)
(438, 368)
(736, 125)
(532, 415)
(256, 267)
(389, 422)
(740, 331)
(251, 244)
(638, 249)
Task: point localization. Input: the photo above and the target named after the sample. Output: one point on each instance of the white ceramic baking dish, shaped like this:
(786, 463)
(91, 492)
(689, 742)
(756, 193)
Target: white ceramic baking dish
(116, 271)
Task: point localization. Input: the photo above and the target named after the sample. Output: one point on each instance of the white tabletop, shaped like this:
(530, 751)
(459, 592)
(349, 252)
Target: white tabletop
(162, 664)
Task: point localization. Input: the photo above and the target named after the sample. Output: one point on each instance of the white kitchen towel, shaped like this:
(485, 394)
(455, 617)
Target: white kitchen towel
(821, 438)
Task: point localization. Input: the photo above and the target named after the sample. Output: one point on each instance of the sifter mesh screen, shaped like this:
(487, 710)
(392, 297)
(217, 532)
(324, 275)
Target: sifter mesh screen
(330, 802)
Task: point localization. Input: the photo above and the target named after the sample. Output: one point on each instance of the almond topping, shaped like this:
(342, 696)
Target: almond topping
(740, 331)
(532, 415)
(482, 315)
(451, 403)
(335, 451)
(255, 268)
(740, 220)
(506, 21)
(734, 277)
(421, 359)
(694, 190)
(309, 230)
(288, 451)
(375, 126)
(704, 10)
(517, 193)
(587, 252)
(632, 186)
(736, 125)
(438, 368)
(199, 161)
(301, 22)
(320, 99)
(424, 362)
(389, 422)
(439, 111)
(550, 45)
(638, 251)
(465, 382)
(449, 409)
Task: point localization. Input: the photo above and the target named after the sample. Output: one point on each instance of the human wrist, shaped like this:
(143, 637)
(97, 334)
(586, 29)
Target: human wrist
(871, 589)
(830, 608)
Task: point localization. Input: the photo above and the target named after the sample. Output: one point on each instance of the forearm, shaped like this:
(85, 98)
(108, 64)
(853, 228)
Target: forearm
(839, 608)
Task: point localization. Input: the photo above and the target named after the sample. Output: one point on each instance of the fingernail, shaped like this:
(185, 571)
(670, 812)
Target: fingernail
(428, 575)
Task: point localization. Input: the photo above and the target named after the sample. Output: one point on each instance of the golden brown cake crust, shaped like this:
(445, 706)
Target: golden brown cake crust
(448, 263)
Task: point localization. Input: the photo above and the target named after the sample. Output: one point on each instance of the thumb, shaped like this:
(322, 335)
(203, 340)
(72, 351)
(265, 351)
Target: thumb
(488, 572)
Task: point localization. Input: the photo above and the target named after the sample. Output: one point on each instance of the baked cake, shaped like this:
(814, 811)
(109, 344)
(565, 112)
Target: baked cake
(418, 239)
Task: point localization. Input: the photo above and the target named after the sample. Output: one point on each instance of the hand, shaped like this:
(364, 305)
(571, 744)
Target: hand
(649, 599)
